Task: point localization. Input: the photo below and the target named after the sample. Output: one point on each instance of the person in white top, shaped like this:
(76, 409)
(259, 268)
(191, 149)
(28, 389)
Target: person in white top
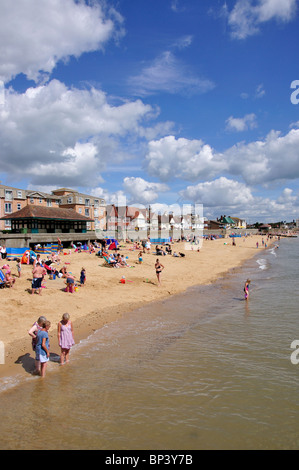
(3, 252)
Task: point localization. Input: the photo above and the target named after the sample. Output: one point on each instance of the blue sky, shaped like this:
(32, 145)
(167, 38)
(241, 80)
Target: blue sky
(161, 102)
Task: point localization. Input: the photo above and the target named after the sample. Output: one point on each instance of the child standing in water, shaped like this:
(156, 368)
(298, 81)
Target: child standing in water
(246, 289)
(36, 327)
(65, 337)
(42, 347)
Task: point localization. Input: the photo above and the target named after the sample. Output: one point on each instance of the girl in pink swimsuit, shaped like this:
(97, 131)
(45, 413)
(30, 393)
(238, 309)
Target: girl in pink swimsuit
(65, 337)
(246, 289)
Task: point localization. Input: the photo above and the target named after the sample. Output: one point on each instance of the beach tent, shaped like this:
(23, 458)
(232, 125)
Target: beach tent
(25, 257)
(112, 244)
(32, 254)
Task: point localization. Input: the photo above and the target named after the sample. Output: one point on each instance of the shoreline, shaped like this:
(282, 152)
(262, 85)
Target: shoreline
(191, 271)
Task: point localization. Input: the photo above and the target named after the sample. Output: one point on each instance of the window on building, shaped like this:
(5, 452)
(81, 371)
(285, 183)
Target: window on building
(80, 200)
(31, 200)
(40, 200)
(80, 210)
(87, 202)
(8, 208)
(86, 212)
(19, 193)
(49, 203)
(8, 195)
(19, 207)
(8, 224)
(96, 203)
(69, 200)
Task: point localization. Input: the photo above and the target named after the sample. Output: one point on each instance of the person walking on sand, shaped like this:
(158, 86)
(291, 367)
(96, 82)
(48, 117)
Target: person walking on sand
(37, 326)
(159, 268)
(65, 336)
(148, 246)
(42, 347)
(82, 276)
(246, 289)
(38, 274)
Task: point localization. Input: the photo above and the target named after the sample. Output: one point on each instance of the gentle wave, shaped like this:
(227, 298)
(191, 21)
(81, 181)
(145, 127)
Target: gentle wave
(262, 263)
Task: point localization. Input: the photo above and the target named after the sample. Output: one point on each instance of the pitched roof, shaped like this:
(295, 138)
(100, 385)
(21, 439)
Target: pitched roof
(227, 220)
(37, 212)
(214, 222)
(39, 193)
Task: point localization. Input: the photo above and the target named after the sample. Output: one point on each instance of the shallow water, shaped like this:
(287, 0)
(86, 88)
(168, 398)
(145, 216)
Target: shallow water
(202, 370)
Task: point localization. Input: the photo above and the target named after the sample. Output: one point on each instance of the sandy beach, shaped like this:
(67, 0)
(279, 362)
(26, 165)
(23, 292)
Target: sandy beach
(104, 298)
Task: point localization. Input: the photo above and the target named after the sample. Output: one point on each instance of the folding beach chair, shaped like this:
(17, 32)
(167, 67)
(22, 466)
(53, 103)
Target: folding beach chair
(107, 262)
(3, 281)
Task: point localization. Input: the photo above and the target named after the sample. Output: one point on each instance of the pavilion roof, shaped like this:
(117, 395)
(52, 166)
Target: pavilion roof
(49, 213)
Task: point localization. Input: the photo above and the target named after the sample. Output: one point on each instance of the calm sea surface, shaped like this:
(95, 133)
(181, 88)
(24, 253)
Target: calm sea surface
(202, 370)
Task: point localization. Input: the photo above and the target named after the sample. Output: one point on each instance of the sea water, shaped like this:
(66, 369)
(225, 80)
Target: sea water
(201, 370)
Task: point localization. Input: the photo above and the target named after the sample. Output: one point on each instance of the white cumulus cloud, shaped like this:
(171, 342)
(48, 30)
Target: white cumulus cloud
(247, 16)
(169, 158)
(36, 34)
(241, 124)
(45, 128)
(142, 191)
(217, 193)
(272, 159)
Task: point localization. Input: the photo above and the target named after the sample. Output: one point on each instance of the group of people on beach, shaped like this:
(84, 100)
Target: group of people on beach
(41, 268)
(40, 329)
(39, 333)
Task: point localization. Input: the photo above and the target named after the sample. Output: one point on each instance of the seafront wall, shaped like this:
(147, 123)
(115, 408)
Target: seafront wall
(20, 240)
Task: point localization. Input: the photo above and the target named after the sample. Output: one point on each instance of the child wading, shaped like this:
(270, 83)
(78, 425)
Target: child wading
(246, 289)
(65, 337)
